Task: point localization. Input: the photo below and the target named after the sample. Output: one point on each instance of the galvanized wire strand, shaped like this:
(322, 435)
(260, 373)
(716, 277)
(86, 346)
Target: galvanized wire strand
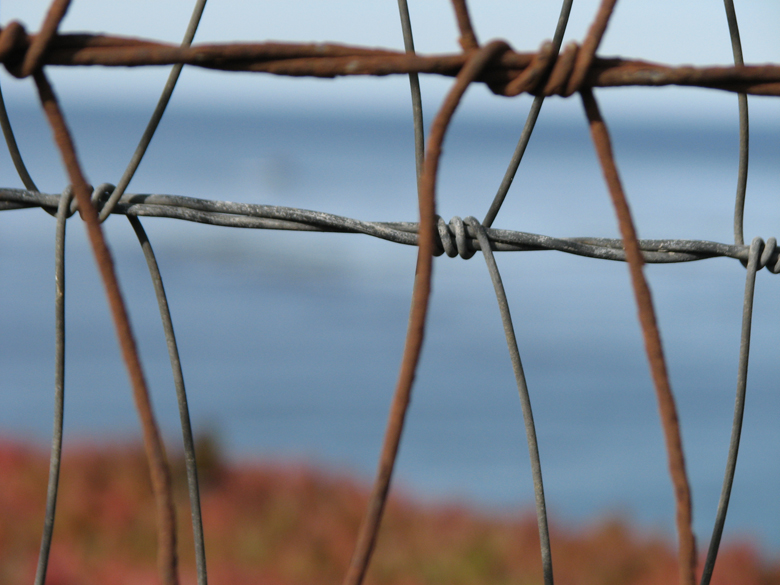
(181, 397)
(154, 121)
(253, 216)
(753, 265)
(744, 128)
(414, 85)
(530, 123)
(525, 399)
(155, 450)
(369, 527)
(652, 338)
(59, 388)
(13, 147)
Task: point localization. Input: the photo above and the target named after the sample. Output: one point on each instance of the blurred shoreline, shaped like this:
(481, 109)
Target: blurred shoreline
(288, 524)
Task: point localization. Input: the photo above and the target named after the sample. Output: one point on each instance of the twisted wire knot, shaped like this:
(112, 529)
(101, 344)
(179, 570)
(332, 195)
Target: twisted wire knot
(21, 53)
(550, 73)
(100, 195)
(14, 46)
(455, 239)
(768, 254)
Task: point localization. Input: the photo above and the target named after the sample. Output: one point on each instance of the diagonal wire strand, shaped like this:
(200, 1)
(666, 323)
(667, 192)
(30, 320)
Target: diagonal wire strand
(151, 127)
(530, 123)
(525, 399)
(13, 147)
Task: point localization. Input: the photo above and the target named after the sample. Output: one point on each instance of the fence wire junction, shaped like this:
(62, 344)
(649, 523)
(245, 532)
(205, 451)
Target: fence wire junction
(553, 70)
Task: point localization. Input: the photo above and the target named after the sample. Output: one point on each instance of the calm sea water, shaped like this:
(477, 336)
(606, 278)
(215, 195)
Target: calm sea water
(290, 342)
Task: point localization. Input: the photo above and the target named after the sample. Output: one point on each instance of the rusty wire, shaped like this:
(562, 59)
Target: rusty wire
(550, 71)
(652, 337)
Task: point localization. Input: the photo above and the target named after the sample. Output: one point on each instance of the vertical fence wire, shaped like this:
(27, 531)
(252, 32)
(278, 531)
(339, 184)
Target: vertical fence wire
(525, 399)
(59, 388)
(744, 128)
(756, 248)
(414, 86)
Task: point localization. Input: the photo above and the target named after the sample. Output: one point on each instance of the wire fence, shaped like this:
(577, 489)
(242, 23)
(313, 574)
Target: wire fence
(553, 70)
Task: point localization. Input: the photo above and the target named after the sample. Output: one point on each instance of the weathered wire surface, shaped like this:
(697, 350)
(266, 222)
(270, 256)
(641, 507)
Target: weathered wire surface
(552, 70)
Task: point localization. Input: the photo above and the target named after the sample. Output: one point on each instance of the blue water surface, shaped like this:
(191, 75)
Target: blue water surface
(291, 342)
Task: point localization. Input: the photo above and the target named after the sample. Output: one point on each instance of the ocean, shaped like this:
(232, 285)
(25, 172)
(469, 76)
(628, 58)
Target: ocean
(291, 342)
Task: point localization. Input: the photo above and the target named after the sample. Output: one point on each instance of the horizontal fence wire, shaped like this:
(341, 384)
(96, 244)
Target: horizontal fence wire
(553, 70)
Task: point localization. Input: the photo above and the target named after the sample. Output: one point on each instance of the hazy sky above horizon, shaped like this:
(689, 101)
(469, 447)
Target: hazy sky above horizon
(668, 31)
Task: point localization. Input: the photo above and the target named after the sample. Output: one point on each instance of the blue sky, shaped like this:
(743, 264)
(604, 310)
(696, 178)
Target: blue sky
(670, 31)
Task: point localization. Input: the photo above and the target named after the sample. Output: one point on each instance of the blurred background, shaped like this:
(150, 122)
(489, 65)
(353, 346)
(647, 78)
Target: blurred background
(290, 342)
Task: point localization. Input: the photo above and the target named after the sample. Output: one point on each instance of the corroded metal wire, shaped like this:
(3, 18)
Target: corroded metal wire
(468, 38)
(332, 60)
(190, 461)
(587, 52)
(652, 338)
(56, 14)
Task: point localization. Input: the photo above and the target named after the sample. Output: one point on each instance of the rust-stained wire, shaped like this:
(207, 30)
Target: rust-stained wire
(55, 14)
(155, 451)
(587, 51)
(369, 528)
(652, 338)
(468, 38)
(331, 60)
